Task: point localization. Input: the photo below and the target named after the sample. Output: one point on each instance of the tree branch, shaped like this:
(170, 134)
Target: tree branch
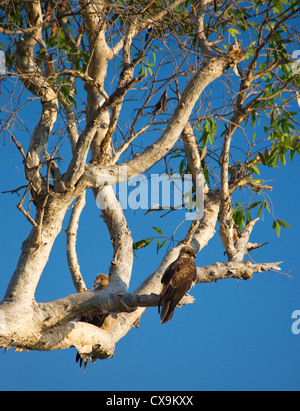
(238, 270)
(71, 244)
(241, 245)
(204, 45)
(206, 229)
(86, 338)
(121, 266)
(78, 163)
(37, 84)
(213, 69)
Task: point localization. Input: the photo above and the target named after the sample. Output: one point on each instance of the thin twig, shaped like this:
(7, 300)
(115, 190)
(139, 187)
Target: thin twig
(14, 191)
(26, 213)
(19, 146)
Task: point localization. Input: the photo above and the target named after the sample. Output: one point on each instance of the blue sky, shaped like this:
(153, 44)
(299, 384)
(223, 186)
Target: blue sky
(237, 335)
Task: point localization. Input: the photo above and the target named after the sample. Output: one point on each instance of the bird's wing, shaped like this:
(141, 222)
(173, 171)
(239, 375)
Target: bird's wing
(178, 278)
(169, 272)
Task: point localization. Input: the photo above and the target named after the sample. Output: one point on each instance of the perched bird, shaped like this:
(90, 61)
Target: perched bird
(101, 282)
(177, 280)
(161, 105)
(148, 34)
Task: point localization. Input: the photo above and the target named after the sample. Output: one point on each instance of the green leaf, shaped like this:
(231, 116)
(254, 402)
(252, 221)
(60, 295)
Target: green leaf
(239, 218)
(256, 170)
(259, 210)
(276, 226)
(158, 230)
(278, 8)
(254, 205)
(278, 229)
(159, 246)
(262, 158)
(249, 218)
(181, 167)
(211, 139)
(142, 243)
(266, 204)
(150, 71)
(283, 224)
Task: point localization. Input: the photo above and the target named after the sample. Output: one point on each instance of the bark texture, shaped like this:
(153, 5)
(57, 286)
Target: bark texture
(97, 162)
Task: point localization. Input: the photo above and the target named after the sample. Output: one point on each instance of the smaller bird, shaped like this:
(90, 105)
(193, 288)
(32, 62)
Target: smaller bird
(177, 280)
(101, 282)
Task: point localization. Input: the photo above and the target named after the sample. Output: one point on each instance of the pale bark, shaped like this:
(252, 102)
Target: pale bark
(37, 84)
(212, 70)
(121, 265)
(71, 244)
(31, 265)
(30, 325)
(51, 321)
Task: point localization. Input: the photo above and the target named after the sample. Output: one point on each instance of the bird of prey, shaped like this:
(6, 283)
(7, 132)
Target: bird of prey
(177, 280)
(101, 282)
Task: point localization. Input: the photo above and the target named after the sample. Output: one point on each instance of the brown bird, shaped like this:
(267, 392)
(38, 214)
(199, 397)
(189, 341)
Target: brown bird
(101, 282)
(177, 280)
(161, 105)
(148, 34)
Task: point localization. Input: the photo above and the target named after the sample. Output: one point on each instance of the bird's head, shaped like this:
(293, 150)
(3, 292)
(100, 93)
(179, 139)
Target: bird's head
(188, 250)
(102, 281)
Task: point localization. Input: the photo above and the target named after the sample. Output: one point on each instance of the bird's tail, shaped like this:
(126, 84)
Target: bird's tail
(167, 310)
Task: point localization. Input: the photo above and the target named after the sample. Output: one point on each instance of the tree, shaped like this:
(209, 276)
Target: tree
(166, 62)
